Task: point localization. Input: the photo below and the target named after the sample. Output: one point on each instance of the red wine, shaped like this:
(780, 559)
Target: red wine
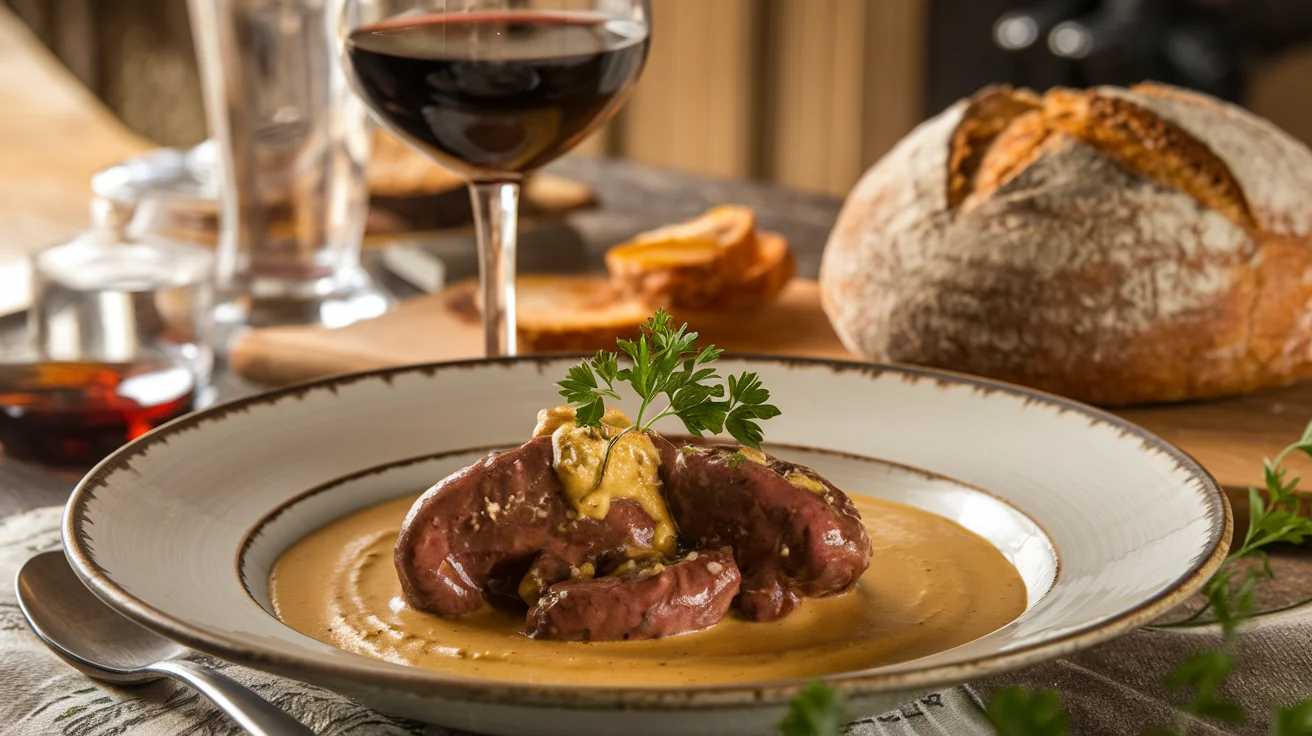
(496, 93)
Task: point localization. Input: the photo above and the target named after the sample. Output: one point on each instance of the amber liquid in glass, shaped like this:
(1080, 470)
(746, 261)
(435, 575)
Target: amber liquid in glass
(73, 414)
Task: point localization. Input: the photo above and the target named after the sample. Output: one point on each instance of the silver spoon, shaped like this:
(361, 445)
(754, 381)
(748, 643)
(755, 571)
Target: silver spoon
(104, 645)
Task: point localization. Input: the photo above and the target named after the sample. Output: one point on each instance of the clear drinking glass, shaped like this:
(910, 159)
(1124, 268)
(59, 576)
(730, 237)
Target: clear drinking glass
(494, 89)
(293, 143)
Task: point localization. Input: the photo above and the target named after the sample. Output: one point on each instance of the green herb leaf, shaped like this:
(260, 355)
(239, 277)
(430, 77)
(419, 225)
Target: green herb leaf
(704, 416)
(588, 386)
(1295, 721)
(1017, 711)
(665, 361)
(818, 710)
(606, 366)
(1202, 674)
(746, 404)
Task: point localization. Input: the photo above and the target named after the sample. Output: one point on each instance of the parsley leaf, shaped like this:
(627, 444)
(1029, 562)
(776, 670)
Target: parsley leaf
(1282, 516)
(1015, 711)
(588, 386)
(665, 362)
(817, 710)
(747, 403)
(1204, 672)
(1295, 721)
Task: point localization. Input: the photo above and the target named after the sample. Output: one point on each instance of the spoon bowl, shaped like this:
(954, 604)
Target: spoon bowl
(103, 644)
(86, 633)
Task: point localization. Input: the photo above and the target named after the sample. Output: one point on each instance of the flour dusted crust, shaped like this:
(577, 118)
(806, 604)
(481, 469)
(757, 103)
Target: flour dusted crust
(1274, 169)
(1085, 267)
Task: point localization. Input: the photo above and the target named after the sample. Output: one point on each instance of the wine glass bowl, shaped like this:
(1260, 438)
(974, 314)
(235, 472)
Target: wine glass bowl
(494, 89)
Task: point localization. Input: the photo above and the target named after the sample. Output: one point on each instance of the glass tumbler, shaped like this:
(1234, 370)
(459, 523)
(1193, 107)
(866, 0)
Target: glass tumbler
(120, 334)
(292, 145)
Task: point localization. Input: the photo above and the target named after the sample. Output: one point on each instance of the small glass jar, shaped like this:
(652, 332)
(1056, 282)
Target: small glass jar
(121, 344)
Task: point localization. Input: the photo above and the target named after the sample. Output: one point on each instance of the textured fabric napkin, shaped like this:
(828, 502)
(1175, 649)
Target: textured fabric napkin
(1113, 689)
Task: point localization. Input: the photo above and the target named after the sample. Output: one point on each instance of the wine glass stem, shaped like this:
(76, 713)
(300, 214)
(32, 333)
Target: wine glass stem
(496, 215)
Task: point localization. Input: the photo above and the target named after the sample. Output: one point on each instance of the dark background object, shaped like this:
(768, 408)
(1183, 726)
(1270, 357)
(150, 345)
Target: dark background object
(1207, 45)
(137, 55)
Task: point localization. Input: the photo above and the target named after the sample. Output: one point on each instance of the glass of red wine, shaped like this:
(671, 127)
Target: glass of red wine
(494, 89)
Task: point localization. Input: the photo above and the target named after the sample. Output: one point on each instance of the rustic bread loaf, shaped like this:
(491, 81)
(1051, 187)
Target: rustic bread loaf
(1114, 245)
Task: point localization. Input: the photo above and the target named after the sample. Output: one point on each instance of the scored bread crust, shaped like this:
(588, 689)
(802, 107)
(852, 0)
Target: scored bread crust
(1116, 246)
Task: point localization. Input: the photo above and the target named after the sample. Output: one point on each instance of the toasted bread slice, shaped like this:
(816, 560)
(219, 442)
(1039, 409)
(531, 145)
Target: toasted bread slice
(557, 312)
(569, 313)
(574, 313)
(771, 270)
(679, 262)
(395, 170)
(729, 225)
(759, 280)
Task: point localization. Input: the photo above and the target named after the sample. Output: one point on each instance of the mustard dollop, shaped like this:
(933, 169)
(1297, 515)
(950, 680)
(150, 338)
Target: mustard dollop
(632, 472)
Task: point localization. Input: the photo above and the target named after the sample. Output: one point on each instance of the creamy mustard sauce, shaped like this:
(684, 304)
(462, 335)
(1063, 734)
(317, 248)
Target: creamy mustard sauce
(932, 585)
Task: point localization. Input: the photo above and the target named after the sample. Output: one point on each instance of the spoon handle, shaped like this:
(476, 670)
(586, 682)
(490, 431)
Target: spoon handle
(253, 713)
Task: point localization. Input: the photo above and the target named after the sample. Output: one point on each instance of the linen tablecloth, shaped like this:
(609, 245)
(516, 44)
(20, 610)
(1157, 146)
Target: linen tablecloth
(1112, 689)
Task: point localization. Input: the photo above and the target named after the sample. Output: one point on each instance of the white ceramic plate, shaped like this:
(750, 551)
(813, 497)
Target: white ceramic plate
(1108, 525)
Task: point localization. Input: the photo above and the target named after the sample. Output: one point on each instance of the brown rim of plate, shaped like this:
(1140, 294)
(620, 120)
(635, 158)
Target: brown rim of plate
(427, 683)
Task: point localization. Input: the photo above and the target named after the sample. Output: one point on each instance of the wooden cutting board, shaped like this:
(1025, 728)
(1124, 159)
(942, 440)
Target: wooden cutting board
(1229, 437)
(428, 329)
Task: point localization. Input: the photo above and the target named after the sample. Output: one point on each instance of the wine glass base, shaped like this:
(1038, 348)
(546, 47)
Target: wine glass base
(260, 306)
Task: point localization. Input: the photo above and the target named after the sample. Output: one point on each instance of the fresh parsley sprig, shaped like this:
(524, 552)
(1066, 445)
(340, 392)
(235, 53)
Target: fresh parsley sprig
(584, 389)
(1282, 516)
(665, 362)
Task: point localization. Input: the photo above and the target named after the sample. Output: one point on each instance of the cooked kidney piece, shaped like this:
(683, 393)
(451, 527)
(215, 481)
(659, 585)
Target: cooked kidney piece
(482, 531)
(598, 562)
(644, 599)
(792, 532)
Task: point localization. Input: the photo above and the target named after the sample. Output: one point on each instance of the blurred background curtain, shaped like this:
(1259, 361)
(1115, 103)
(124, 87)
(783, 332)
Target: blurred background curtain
(807, 93)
